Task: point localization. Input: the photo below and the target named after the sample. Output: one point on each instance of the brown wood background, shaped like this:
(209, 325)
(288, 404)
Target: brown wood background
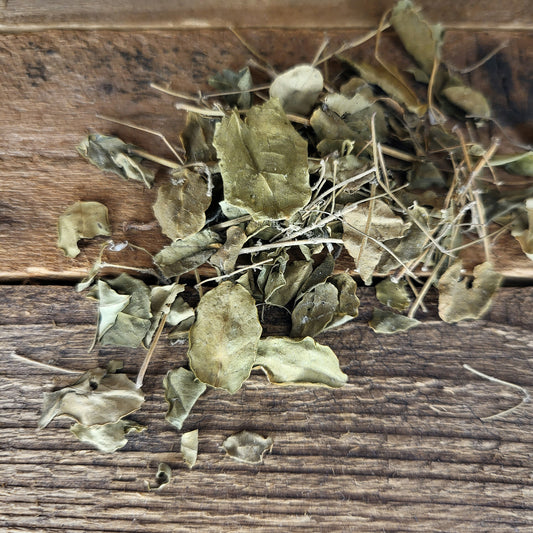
(403, 447)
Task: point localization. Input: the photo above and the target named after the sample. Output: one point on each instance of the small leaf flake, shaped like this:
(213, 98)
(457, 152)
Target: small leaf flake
(247, 447)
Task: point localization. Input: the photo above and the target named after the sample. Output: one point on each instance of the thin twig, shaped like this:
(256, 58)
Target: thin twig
(146, 362)
(45, 365)
(230, 274)
(483, 60)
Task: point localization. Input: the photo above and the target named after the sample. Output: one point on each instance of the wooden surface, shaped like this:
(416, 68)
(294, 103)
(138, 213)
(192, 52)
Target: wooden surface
(404, 446)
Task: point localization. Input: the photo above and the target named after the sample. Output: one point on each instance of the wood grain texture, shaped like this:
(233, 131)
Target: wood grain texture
(33, 15)
(402, 447)
(56, 82)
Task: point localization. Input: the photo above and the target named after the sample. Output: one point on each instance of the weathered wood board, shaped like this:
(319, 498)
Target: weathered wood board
(402, 447)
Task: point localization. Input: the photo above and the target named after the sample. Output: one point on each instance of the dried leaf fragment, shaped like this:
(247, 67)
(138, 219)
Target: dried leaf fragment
(457, 301)
(224, 338)
(299, 362)
(98, 397)
(81, 220)
(182, 390)
(384, 321)
(523, 228)
(162, 476)
(189, 447)
(247, 446)
(238, 82)
(263, 162)
(393, 294)
(107, 437)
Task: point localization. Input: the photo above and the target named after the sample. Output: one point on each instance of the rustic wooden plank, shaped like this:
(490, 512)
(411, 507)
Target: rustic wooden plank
(57, 81)
(402, 447)
(31, 15)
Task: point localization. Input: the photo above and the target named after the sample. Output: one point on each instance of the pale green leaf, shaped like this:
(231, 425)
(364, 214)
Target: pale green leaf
(162, 300)
(81, 220)
(470, 101)
(388, 322)
(247, 447)
(303, 362)
(108, 437)
(393, 294)
(226, 256)
(224, 338)
(189, 447)
(520, 164)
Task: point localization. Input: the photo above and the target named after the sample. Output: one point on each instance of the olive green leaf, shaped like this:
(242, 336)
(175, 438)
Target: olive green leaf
(187, 254)
(299, 362)
(162, 476)
(181, 317)
(181, 204)
(469, 100)
(119, 324)
(282, 287)
(197, 138)
(422, 40)
(458, 301)
(314, 310)
(384, 321)
(393, 294)
(348, 303)
(162, 300)
(107, 437)
(522, 229)
(81, 220)
(113, 155)
(98, 397)
(189, 447)
(520, 164)
(364, 229)
(298, 88)
(238, 82)
(223, 340)
(182, 390)
(247, 446)
(226, 256)
(320, 273)
(263, 162)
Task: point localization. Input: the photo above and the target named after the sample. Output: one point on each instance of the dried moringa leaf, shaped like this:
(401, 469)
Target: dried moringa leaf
(181, 204)
(303, 362)
(223, 340)
(298, 88)
(522, 229)
(458, 301)
(162, 300)
(342, 105)
(263, 162)
(189, 447)
(348, 304)
(281, 288)
(113, 155)
(98, 397)
(197, 138)
(384, 321)
(238, 82)
(393, 294)
(422, 40)
(470, 101)
(107, 437)
(247, 447)
(186, 255)
(182, 390)
(226, 256)
(81, 220)
(520, 164)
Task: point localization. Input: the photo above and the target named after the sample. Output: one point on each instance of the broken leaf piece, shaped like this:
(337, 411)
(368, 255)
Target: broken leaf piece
(299, 362)
(197, 138)
(520, 164)
(107, 437)
(470, 101)
(348, 305)
(113, 155)
(161, 301)
(162, 476)
(298, 88)
(81, 220)
(223, 340)
(238, 82)
(187, 254)
(182, 390)
(393, 294)
(457, 301)
(189, 447)
(181, 204)
(247, 446)
(263, 162)
(226, 256)
(384, 321)
(523, 228)
(98, 397)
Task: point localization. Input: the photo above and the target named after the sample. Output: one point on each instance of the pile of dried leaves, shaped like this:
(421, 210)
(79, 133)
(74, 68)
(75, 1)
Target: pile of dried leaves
(269, 195)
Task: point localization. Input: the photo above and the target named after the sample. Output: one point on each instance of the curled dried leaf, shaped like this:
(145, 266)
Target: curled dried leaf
(189, 447)
(162, 476)
(81, 220)
(384, 321)
(247, 447)
(108, 437)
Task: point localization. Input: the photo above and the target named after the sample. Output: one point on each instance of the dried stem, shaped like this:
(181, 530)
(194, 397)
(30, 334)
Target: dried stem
(146, 362)
(45, 365)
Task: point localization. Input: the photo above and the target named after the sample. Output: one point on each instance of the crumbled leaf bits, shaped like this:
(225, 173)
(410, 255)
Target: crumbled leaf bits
(182, 390)
(181, 204)
(223, 340)
(162, 477)
(99, 397)
(189, 447)
(299, 362)
(124, 311)
(385, 321)
(458, 301)
(107, 437)
(247, 447)
(239, 83)
(81, 220)
(113, 155)
(263, 162)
